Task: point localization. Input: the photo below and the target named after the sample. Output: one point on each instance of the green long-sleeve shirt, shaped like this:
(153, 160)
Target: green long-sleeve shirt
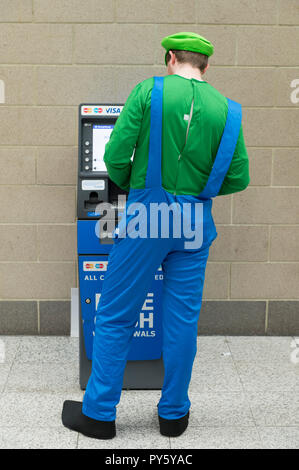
(189, 173)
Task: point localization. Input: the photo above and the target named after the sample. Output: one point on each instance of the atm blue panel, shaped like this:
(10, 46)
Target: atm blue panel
(147, 340)
(88, 240)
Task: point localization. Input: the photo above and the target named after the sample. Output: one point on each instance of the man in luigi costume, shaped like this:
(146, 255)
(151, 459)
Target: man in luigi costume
(188, 147)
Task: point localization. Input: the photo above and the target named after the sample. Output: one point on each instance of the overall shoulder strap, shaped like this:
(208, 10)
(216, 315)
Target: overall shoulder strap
(225, 151)
(153, 175)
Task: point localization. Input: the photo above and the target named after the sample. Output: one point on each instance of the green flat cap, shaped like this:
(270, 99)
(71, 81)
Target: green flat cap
(187, 42)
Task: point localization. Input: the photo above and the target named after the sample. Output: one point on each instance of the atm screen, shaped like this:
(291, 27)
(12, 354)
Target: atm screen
(100, 136)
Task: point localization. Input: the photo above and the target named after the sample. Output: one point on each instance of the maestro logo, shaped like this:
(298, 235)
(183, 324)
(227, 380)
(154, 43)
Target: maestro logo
(95, 265)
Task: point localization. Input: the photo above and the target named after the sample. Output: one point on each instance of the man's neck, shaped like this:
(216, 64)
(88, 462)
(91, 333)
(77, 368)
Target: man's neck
(189, 72)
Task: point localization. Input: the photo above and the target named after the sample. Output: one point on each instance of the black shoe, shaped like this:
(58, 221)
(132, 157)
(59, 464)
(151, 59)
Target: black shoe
(173, 427)
(73, 418)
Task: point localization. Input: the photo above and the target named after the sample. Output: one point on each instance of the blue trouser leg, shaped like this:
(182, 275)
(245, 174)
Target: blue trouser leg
(184, 273)
(131, 268)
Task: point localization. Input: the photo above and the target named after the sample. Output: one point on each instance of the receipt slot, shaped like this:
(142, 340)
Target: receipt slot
(144, 368)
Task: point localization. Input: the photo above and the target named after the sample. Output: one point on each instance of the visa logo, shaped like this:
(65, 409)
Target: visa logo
(112, 110)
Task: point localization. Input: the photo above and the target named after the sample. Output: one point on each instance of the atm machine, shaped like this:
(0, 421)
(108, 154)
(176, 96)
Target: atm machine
(144, 369)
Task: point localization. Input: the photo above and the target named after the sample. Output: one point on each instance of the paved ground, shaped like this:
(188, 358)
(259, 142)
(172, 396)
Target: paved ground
(244, 394)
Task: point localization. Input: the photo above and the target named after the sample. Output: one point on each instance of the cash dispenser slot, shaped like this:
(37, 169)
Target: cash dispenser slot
(93, 201)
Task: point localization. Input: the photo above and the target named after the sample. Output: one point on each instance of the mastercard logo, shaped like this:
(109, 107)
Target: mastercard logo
(92, 110)
(95, 266)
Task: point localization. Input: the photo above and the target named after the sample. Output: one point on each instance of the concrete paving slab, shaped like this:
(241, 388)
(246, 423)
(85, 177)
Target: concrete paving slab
(33, 409)
(220, 409)
(212, 348)
(263, 376)
(260, 349)
(37, 438)
(8, 348)
(218, 438)
(274, 408)
(4, 373)
(138, 408)
(43, 377)
(279, 437)
(210, 376)
(48, 349)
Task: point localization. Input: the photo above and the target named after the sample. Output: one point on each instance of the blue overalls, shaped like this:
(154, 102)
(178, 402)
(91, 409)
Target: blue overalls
(131, 268)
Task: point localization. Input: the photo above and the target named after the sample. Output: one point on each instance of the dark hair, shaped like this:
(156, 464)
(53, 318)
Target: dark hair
(196, 59)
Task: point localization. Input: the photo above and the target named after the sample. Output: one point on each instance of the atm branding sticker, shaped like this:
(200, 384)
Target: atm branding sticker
(100, 110)
(95, 265)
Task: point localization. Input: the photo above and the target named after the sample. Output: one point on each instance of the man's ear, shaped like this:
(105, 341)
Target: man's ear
(205, 69)
(172, 57)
